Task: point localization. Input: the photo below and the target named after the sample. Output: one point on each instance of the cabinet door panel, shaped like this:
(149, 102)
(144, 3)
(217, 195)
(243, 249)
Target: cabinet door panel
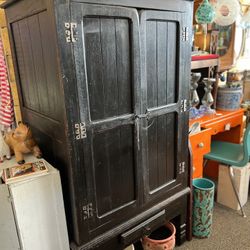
(161, 58)
(108, 66)
(165, 138)
(161, 150)
(108, 81)
(113, 161)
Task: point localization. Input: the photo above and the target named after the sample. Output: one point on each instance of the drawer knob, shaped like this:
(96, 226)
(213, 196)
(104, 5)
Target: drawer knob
(201, 145)
(146, 231)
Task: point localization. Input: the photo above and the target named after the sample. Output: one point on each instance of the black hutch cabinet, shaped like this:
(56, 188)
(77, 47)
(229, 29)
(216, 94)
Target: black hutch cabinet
(104, 85)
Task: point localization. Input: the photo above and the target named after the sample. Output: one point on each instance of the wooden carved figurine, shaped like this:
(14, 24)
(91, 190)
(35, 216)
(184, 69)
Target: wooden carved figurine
(4, 149)
(21, 141)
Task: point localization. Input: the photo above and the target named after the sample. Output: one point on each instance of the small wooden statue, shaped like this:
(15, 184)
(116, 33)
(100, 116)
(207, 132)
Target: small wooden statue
(21, 141)
(4, 149)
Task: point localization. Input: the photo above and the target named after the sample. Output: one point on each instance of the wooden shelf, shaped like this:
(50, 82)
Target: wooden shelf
(204, 63)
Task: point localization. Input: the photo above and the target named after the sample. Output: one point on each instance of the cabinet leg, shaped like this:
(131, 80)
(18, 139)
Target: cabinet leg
(181, 232)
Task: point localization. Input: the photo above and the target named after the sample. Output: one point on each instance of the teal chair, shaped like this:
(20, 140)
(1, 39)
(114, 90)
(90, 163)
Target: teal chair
(231, 154)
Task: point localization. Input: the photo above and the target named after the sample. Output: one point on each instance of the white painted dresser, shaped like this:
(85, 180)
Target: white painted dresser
(32, 215)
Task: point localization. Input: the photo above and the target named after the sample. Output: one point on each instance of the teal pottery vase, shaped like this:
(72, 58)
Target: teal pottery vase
(203, 203)
(205, 13)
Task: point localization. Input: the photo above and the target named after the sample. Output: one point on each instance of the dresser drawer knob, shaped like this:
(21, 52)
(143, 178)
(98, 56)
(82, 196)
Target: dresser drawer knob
(201, 145)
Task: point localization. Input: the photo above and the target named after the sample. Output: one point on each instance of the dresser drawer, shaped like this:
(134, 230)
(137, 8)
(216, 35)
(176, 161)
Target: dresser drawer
(224, 124)
(197, 167)
(201, 142)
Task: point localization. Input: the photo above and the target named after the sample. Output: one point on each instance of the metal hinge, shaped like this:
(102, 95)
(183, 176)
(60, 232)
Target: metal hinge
(88, 211)
(70, 32)
(185, 34)
(182, 167)
(80, 131)
(183, 105)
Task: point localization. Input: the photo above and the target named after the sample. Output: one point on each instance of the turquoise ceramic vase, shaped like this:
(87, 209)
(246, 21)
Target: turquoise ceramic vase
(203, 203)
(205, 13)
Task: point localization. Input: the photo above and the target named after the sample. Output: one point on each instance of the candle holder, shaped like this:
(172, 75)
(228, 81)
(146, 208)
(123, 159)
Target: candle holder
(194, 98)
(207, 100)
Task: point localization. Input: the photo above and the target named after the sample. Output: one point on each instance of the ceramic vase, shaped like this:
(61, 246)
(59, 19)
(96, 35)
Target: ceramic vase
(229, 99)
(203, 202)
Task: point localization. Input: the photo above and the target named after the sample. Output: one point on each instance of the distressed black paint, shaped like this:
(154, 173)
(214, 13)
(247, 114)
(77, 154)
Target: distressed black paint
(125, 78)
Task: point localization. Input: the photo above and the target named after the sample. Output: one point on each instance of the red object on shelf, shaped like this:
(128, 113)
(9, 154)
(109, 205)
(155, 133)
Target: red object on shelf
(205, 57)
(6, 102)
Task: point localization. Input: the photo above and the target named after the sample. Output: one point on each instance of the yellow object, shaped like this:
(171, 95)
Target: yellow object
(8, 58)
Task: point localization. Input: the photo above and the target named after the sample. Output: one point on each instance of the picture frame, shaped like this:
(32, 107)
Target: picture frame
(214, 39)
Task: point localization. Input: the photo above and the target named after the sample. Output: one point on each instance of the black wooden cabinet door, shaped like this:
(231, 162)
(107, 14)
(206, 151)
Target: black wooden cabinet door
(164, 85)
(107, 65)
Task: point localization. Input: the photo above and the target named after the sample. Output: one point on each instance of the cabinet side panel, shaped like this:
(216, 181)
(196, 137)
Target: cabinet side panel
(36, 59)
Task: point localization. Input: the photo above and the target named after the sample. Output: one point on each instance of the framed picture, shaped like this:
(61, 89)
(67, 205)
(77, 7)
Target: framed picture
(214, 42)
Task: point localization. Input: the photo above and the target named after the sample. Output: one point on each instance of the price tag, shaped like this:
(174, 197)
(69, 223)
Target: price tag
(227, 126)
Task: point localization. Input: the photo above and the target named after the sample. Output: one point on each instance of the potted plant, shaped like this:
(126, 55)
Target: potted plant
(162, 238)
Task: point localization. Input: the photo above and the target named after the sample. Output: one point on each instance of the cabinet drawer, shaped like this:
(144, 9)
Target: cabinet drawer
(201, 142)
(224, 124)
(144, 228)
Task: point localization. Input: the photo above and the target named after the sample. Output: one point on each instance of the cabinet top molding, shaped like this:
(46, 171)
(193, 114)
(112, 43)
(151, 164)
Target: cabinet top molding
(157, 4)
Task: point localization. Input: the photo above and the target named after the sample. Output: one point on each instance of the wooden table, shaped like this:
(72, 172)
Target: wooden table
(223, 126)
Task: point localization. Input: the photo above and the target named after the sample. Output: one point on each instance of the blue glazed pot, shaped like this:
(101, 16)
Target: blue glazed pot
(229, 98)
(203, 203)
